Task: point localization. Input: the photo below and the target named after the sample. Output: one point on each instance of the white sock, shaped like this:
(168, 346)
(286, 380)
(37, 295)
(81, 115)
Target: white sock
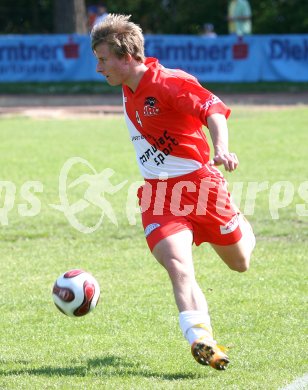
(195, 324)
(195, 333)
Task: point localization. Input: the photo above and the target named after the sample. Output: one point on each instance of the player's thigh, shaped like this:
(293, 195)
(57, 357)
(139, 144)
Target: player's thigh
(175, 248)
(235, 256)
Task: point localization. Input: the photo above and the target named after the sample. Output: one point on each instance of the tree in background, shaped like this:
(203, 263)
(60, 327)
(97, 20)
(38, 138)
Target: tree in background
(170, 16)
(154, 16)
(26, 17)
(186, 17)
(280, 16)
(70, 16)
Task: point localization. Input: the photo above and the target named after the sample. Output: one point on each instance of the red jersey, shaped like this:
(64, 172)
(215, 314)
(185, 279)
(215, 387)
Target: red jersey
(165, 116)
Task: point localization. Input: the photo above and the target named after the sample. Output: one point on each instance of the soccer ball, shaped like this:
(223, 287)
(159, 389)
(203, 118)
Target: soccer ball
(76, 293)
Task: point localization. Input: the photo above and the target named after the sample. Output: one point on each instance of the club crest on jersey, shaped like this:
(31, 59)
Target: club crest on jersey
(150, 106)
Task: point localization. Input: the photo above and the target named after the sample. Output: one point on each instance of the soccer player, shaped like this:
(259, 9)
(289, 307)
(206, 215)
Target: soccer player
(184, 199)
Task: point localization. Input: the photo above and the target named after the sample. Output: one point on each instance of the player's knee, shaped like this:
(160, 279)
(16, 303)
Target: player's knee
(177, 271)
(242, 267)
(240, 263)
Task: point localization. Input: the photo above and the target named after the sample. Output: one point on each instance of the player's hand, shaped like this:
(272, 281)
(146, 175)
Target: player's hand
(229, 160)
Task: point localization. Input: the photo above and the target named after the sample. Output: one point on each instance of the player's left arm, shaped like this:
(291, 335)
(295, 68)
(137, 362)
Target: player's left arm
(217, 125)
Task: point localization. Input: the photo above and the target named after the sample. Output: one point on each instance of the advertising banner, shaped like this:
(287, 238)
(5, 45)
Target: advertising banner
(285, 58)
(223, 59)
(46, 58)
(40, 58)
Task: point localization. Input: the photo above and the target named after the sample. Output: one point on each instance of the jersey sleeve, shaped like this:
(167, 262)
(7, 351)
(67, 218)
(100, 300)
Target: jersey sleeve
(189, 97)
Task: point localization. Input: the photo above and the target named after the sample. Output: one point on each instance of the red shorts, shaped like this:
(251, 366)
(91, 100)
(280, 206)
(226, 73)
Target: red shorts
(198, 201)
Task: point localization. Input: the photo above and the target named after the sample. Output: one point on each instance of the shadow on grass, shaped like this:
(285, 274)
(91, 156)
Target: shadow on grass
(106, 366)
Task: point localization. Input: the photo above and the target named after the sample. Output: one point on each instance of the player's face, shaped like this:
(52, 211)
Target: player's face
(109, 65)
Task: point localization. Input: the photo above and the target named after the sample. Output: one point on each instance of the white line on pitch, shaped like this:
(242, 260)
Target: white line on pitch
(298, 384)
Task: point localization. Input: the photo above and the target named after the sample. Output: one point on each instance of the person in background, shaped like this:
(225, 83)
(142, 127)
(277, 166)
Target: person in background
(239, 17)
(92, 15)
(101, 13)
(208, 31)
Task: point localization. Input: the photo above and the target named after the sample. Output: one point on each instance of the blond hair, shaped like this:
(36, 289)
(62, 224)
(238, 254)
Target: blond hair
(121, 35)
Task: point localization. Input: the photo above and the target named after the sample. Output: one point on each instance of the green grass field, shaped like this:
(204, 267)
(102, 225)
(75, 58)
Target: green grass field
(132, 339)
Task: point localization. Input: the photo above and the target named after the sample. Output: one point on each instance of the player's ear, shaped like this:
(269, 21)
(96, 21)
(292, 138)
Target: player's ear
(128, 58)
